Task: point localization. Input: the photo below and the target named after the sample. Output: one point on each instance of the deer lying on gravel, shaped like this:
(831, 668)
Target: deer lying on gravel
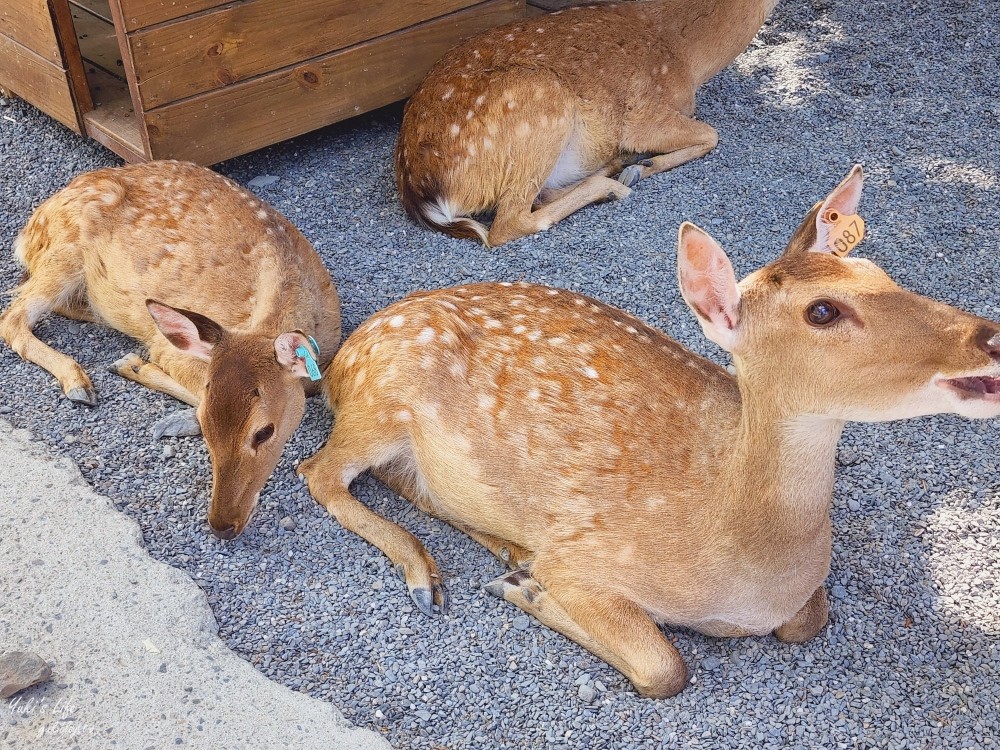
(540, 113)
(137, 248)
(627, 480)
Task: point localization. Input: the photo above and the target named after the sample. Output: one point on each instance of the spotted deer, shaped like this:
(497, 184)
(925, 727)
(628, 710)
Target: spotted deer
(531, 120)
(139, 248)
(628, 481)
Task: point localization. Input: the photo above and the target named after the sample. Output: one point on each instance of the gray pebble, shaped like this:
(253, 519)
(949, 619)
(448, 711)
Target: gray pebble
(19, 670)
(288, 523)
(586, 693)
(521, 622)
(263, 181)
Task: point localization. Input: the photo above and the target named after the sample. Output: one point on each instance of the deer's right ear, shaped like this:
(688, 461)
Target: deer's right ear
(833, 226)
(190, 332)
(708, 284)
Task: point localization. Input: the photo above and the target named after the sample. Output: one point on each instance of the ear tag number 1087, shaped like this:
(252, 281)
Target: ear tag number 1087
(845, 231)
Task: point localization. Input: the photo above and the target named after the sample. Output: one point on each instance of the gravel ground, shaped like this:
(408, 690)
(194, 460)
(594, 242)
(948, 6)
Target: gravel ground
(912, 655)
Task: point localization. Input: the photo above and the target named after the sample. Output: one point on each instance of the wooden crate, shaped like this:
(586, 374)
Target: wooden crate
(207, 80)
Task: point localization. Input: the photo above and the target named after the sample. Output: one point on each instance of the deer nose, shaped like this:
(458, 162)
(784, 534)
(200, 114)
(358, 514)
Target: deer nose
(992, 346)
(227, 533)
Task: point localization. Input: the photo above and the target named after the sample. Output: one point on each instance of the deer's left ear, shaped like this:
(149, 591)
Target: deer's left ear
(833, 226)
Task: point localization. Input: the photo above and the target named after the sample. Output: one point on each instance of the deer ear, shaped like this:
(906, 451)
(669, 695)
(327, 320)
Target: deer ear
(190, 332)
(286, 348)
(708, 284)
(833, 226)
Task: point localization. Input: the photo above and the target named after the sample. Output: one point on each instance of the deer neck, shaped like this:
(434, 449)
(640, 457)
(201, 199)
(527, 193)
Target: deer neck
(779, 479)
(713, 33)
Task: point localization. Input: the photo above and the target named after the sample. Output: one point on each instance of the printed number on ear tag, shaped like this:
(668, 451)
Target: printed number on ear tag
(845, 232)
(311, 367)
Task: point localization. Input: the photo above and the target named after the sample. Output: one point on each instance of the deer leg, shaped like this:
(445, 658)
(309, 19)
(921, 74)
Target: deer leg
(36, 297)
(611, 627)
(514, 217)
(135, 368)
(329, 474)
(674, 138)
(808, 621)
(512, 555)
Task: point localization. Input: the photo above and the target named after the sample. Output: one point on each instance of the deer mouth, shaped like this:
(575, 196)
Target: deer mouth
(981, 386)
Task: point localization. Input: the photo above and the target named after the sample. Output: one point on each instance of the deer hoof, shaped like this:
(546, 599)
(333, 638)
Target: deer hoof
(178, 424)
(630, 176)
(425, 598)
(131, 362)
(82, 396)
(514, 587)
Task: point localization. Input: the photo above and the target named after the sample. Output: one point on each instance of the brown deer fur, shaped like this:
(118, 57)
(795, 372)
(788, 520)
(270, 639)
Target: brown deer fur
(121, 246)
(546, 109)
(630, 481)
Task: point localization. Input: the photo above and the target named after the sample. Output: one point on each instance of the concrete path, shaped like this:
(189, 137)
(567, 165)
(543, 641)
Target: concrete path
(132, 643)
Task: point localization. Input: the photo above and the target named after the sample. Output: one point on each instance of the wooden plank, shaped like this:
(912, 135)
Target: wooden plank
(99, 8)
(98, 42)
(237, 42)
(138, 14)
(211, 127)
(62, 17)
(37, 81)
(112, 121)
(29, 23)
(119, 21)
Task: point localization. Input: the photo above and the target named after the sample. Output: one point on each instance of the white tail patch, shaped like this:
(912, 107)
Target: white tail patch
(442, 212)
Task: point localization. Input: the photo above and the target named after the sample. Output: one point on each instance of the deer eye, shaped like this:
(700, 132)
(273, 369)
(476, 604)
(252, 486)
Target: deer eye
(262, 436)
(822, 313)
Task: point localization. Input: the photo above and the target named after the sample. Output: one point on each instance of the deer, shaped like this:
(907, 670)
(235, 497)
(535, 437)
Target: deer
(532, 120)
(628, 482)
(233, 304)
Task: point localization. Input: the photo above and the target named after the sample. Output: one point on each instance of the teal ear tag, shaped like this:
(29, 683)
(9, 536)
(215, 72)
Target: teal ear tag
(311, 367)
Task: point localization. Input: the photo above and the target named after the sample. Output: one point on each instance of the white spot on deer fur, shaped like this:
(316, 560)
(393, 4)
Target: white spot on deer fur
(396, 321)
(631, 330)
(552, 292)
(545, 121)
(663, 69)
(469, 115)
(487, 144)
(486, 401)
(447, 94)
(493, 324)
(511, 104)
(505, 284)
(518, 330)
(590, 372)
(471, 149)
(426, 336)
(262, 214)
(523, 129)
(534, 335)
(540, 30)
(509, 37)
(534, 394)
(404, 415)
(427, 361)
(579, 301)
(557, 340)
(455, 129)
(480, 99)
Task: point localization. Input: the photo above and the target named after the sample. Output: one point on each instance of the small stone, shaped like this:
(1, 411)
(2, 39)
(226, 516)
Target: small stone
(69, 439)
(600, 687)
(890, 183)
(839, 592)
(263, 180)
(20, 670)
(896, 151)
(587, 693)
(854, 504)
(521, 622)
(847, 456)
(6, 410)
(710, 663)
(423, 715)
(169, 451)
(377, 585)
(288, 523)
(582, 679)
(823, 57)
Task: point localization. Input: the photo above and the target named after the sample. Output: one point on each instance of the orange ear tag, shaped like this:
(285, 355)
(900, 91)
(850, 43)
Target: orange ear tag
(845, 231)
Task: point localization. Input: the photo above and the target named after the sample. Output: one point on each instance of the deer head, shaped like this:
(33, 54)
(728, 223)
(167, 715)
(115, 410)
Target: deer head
(869, 350)
(252, 402)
